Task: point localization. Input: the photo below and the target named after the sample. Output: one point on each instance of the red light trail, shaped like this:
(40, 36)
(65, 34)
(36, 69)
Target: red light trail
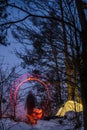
(20, 81)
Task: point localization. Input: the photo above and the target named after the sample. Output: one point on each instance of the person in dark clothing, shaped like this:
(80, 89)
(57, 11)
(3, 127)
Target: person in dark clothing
(33, 114)
(30, 103)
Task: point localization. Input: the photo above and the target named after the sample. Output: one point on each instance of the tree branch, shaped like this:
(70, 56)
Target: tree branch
(13, 22)
(59, 19)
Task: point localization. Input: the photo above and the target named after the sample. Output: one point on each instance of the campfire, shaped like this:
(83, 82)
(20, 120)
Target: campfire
(36, 115)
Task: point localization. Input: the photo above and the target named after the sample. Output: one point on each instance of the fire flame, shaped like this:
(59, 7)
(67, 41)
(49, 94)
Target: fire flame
(36, 115)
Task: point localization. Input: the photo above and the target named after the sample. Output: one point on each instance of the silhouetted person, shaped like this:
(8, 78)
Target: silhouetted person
(30, 103)
(33, 114)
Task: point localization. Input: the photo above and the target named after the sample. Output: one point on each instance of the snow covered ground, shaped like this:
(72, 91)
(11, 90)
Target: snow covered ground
(67, 119)
(52, 124)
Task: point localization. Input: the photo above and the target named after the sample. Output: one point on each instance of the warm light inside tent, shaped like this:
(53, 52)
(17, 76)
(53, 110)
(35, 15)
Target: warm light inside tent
(70, 106)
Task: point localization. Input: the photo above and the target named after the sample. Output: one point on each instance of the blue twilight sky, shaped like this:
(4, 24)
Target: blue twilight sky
(7, 54)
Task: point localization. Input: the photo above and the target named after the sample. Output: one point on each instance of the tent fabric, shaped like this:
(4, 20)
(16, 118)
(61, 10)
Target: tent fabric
(69, 106)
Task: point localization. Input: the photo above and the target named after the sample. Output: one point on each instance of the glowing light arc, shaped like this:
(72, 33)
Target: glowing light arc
(30, 79)
(16, 86)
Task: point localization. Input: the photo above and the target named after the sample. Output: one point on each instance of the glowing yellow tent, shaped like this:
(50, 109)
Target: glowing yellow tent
(70, 105)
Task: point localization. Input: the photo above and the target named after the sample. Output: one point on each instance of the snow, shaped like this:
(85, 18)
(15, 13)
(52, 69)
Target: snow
(68, 121)
(52, 124)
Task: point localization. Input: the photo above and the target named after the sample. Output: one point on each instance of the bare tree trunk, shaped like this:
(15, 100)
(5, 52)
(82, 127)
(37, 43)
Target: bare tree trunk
(1, 93)
(83, 71)
(66, 54)
(75, 63)
(0, 108)
(58, 87)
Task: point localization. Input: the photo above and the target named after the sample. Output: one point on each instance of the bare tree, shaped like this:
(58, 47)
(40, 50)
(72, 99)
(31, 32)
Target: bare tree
(83, 71)
(6, 79)
(63, 49)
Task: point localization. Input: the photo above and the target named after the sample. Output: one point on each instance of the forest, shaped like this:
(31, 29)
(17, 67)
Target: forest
(53, 39)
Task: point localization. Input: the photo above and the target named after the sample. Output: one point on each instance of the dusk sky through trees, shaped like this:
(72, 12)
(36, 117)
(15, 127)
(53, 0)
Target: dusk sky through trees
(8, 54)
(45, 38)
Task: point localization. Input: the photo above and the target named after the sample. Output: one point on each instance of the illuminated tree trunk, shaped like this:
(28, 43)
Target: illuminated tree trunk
(83, 70)
(75, 92)
(74, 66)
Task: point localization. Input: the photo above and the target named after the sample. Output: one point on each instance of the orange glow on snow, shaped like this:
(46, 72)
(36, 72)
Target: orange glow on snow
(36, 115)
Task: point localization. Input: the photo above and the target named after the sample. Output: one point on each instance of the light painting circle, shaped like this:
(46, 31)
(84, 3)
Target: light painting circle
(15, 88)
